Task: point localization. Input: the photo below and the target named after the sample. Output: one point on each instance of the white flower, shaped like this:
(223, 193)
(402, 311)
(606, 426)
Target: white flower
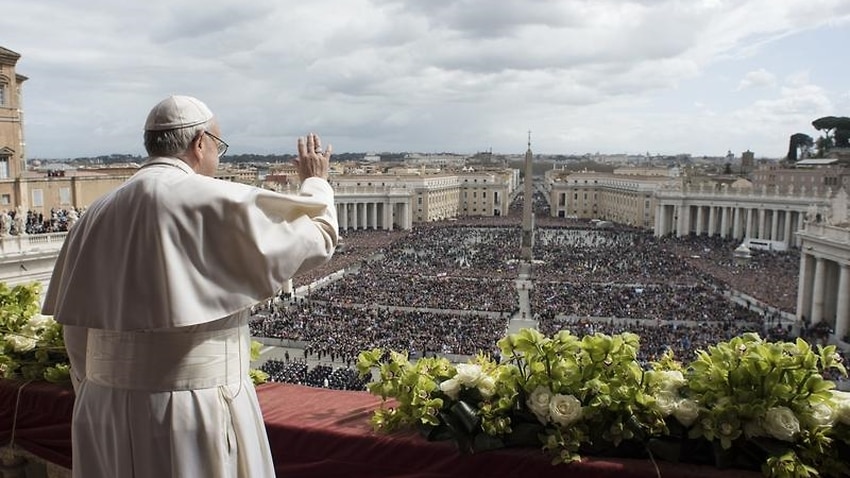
(21, 343)
(564, 409)
(451, 387)
(468, 374)
(686, 412)
(538, 403)
(39, 321)
(781, 423)
(841, 400)
(487, 386)
(672, 380)
(823, 415)
(666, 403)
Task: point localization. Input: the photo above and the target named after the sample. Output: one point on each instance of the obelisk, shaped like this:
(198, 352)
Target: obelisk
(527, 202)
(524, 318)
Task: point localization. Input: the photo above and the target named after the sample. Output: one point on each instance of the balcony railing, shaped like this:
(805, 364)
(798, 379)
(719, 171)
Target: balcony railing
(31, 243)
(827, 231)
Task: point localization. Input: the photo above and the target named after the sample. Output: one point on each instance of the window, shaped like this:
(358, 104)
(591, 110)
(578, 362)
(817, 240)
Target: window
(3, 87)
(4, 167)
(5, 199)
(65, 196)
(38, 198)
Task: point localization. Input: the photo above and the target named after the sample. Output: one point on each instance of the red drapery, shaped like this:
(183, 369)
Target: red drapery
(320, 433)
(43, 423)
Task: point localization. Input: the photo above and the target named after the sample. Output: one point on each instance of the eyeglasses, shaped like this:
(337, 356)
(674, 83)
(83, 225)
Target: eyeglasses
(220, 144)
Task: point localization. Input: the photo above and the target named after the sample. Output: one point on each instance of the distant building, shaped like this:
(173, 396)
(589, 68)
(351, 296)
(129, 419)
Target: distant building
(812, 174)
(402, 196)
(622, 198)
(747, 161)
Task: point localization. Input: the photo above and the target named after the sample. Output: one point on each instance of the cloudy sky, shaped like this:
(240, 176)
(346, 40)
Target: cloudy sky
(584, 76)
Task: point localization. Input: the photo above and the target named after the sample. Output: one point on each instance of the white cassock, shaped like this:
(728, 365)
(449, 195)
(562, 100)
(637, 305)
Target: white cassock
(153, 286)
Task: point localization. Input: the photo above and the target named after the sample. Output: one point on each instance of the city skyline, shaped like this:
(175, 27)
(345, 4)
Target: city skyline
(637, 77)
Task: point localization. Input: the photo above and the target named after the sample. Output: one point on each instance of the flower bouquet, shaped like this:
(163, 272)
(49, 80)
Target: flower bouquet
(767, 404)
(745, 403)
(31, 345)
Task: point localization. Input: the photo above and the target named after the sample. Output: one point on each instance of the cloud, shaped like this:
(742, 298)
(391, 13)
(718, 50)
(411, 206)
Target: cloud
(434, 75)
(756, 79)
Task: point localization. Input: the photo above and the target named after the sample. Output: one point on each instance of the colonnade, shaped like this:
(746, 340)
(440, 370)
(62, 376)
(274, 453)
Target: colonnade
(738, 216)
(737, 222)
(384, 215)
(824, 291)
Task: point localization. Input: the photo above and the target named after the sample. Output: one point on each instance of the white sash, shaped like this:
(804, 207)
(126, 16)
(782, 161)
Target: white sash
(166, 361)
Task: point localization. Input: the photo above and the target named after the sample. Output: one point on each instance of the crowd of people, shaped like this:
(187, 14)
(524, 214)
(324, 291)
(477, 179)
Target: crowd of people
(449, 287)
(661, 303)
(770, 276)
(324, 376)
(16, 222)
(338, 333)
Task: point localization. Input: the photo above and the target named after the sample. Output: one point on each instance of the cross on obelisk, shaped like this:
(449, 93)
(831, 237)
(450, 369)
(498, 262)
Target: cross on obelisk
(527, 218)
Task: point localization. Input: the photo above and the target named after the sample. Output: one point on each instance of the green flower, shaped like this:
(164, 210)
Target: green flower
(31, 345)
(570, 393)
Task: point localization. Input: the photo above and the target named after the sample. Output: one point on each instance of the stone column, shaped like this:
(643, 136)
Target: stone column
(389, 212)
(817, 290)
(736, 224)
(748, 227)
(842, 313)
(797, 240)
(788, 239)
(762, 221)
(699, 220)
(774, 225)
(680, 220)
(804, 289)
(712, 220)
(657, 229)
(407, 220)
(661, 219)
(343, 217)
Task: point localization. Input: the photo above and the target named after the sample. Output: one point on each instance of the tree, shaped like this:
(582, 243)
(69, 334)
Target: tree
(799, 142)
(836, 133)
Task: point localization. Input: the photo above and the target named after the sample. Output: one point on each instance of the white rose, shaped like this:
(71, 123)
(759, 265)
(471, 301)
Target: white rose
(823, 414)
(538, 403)
(841, 401)
(781, 423)
(686, 412)
(666, 403)
(672, 380)
(564, 409)
(39, 321)
(20, 343)
(468, 374)
(487, 386)
(451, 387)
